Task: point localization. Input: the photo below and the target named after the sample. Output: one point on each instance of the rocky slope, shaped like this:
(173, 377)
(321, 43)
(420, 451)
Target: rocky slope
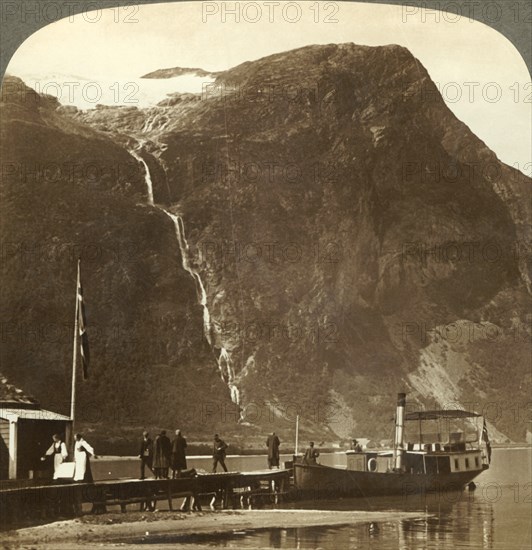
(346, 236)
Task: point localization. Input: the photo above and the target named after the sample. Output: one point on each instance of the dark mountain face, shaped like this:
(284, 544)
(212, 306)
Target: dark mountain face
(345, 237)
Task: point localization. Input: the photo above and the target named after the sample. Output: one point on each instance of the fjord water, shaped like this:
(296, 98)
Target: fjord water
(497, 515)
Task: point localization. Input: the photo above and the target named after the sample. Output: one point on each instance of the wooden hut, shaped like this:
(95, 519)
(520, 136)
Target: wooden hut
(25, 432)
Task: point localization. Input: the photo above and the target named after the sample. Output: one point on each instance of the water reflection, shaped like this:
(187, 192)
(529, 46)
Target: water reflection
(460, 520)
(453, 518)
(497, 519)
(466, 523)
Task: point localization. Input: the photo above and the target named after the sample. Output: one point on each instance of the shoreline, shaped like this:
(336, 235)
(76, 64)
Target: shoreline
(133, 528)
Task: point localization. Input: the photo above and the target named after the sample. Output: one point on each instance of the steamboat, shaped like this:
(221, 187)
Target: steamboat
(440, 450)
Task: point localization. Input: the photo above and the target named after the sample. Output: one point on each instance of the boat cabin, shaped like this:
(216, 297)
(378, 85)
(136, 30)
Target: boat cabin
(430, 442)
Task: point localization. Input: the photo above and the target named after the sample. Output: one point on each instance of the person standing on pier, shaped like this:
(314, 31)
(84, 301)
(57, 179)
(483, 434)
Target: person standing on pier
(179, 459)
(311, 454)
(162, 449)
(82, 453)
(146, 454)
(218, 453)
(58, 450)
(273, 444)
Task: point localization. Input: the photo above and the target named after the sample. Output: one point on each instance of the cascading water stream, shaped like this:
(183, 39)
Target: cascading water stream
(200, 289)
(147, 175)
(224, 359)
(149, 125)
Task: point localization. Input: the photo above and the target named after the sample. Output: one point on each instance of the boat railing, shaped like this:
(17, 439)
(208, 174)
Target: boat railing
(449, 438)
(461, 446)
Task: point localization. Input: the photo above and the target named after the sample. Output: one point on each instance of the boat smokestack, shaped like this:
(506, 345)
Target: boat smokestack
(398, 448)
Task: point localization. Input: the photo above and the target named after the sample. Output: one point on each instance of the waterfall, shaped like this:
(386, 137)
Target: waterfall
(224, 359)
(183, 245)
(228, 374)
(147, 175)
(200, 288)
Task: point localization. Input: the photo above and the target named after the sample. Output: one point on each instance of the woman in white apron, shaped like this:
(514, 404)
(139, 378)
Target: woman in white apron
(82, 453)
(58, 450)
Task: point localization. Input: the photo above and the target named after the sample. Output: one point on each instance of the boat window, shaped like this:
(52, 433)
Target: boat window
(467, 463)
(456, 464)
(477, 462)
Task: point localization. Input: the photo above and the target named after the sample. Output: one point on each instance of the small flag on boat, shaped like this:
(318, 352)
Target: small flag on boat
(82, 330)
(486, 440)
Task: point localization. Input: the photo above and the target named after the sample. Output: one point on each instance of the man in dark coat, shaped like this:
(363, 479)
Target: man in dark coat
(145, 454)
(273, 450)
(311, 454)
(162, 450)
(218, 453)
(179, 459)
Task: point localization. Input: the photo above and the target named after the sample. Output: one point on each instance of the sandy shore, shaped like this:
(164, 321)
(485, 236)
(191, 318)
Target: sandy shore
(115, 530)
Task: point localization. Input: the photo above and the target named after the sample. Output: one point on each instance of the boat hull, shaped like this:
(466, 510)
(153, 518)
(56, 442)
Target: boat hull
(317, 481)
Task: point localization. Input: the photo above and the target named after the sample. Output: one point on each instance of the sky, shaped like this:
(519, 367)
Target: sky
(481, 75)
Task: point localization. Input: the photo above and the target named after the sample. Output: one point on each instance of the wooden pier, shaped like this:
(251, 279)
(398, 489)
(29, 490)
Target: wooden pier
(47, 502)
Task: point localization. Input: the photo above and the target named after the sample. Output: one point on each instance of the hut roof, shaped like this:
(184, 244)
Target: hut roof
(31, 414)
(14, 397)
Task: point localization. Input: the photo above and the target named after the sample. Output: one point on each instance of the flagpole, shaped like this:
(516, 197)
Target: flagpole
(75, 353)
(297, 435)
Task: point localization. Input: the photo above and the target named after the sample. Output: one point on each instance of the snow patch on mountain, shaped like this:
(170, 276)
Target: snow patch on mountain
(86, 93)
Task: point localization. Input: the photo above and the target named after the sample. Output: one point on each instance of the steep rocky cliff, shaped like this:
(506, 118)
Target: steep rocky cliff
(341, 236)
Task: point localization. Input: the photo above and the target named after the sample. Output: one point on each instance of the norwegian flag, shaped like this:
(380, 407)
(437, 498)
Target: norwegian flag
(486, 440)
(82, 330)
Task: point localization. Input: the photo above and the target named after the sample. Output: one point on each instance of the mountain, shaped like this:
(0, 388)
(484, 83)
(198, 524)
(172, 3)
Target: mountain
(326, 228)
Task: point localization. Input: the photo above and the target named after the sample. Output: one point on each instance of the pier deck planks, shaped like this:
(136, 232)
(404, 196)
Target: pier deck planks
(52, 500)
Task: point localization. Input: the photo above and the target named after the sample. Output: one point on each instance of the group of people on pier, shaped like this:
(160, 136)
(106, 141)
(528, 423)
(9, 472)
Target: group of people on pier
(159, 455)
(162, 454)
